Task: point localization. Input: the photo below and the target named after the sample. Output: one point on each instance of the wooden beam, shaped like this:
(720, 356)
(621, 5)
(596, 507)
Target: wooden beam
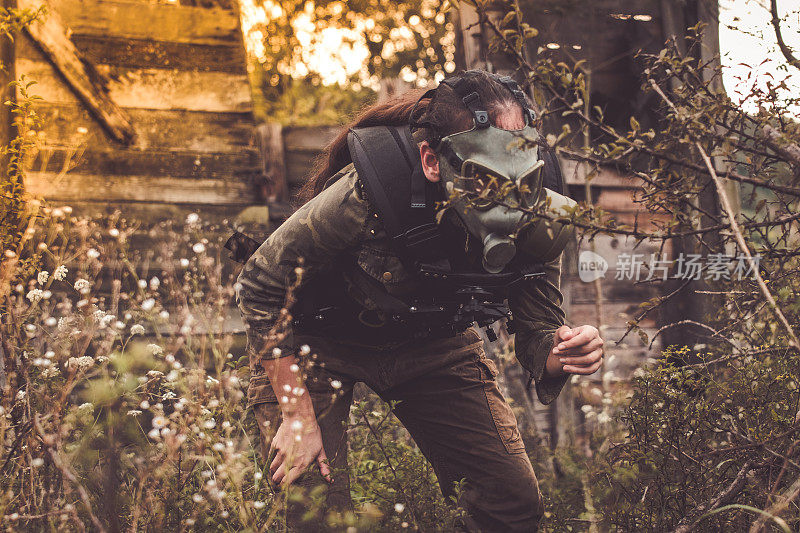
(158, 22)
(269, 141)
(149, 88)
(50, 35)
(156, 129)
(151, 189)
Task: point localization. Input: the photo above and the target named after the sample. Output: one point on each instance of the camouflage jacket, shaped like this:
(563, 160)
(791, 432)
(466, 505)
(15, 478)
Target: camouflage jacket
(340, 221)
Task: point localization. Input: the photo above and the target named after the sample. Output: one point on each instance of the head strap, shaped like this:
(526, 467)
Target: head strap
(472, 101)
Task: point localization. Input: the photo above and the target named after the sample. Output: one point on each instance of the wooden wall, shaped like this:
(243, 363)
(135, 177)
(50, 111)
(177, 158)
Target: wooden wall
(179, 73)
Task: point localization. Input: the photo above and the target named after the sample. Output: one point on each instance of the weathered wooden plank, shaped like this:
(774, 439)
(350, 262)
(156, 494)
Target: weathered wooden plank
(606, 177)
(71, 125)
(50, 35)
(70, 186)
(150, 214)
(314, 138)
(269, 137)
(177, 164)
(149, 88)
(159, 22)
(141, 53)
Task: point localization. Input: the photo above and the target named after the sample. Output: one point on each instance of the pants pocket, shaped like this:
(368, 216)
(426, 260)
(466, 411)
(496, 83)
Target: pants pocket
(504, 420)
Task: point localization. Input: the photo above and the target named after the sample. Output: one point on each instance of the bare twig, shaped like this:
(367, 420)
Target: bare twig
(786, 499)
(49, 443)
(687, 524)
(776, 24)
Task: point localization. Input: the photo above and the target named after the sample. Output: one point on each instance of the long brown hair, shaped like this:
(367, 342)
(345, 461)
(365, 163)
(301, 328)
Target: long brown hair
(445, 111)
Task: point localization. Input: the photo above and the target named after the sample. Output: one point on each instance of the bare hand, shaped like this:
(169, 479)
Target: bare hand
(576, 350)
(297, 444)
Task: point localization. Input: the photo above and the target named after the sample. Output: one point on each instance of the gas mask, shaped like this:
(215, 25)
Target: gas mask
(496, 186)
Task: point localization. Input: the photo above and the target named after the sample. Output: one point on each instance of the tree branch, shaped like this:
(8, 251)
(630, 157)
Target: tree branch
(776, 23)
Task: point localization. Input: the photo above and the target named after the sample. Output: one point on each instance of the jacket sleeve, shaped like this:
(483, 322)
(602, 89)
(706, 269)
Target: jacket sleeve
(331, 223)
(536, 308)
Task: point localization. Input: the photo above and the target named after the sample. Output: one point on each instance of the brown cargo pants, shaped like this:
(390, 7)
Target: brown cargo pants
(448, 400)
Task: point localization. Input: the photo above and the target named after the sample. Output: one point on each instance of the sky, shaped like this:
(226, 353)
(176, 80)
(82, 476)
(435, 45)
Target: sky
(754, 42)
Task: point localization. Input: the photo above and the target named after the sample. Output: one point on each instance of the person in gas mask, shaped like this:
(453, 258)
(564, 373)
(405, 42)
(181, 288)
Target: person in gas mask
(430, 218)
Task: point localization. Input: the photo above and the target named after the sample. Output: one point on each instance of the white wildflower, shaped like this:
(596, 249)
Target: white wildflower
(197, 498)
(92, 253)
(34, 295)
(49, 354)
(399, 508)
(193, 218)
(258, 504)
(81, 285)
(42, 277)
(148, 304)
(305, 349)
(145, 404)
(155, 349)
(155, 283)
(114, 232)
(47, 294)
(50, 372)
(80, 363)
(134, 412)
(142, 283)
(60, 273)
(210, 424)
(50, 321)
(154, 434)
(218, 447)
(37, 462)
(184, 262)
(199, 248)
(164, 314)
(86, 406)
(160, 421)
(336, 384)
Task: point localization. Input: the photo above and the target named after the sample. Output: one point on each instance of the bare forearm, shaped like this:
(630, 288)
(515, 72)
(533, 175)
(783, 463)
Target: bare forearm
(289, 386)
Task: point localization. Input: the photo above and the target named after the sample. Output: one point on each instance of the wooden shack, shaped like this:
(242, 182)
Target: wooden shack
(147, 105)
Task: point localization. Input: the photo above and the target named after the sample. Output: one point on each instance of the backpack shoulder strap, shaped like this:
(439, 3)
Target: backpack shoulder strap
(552, 178)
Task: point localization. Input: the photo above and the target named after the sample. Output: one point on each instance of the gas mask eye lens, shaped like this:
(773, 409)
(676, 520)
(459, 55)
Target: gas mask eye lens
(528, 185)
(480, 186)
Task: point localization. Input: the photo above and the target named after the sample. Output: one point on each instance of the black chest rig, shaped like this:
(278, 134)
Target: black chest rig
(457, 291)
